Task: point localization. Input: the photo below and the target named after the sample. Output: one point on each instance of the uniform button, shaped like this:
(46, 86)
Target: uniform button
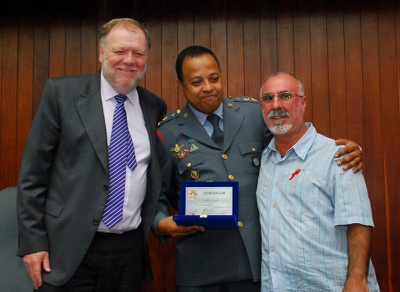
(273, 249)
(275, 183)
(105, 187)
(224, 156)
(273, 205)
(96, 222)
(272, 227)
(275, 271)
(240, 224)
(253, 149)
(231, 177)
(189, 165)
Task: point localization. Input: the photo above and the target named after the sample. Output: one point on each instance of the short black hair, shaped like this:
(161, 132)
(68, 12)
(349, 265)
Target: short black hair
(192, 51)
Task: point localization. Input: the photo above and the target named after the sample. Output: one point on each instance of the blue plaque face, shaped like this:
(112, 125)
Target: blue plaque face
(213, 205)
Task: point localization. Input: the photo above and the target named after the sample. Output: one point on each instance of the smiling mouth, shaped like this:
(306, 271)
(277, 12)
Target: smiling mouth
(129, 70)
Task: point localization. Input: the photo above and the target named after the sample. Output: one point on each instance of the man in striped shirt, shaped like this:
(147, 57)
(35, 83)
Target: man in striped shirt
(316, 219)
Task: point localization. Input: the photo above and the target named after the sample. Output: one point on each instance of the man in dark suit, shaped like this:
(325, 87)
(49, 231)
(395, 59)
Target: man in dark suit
(215, 260)
(67, 188)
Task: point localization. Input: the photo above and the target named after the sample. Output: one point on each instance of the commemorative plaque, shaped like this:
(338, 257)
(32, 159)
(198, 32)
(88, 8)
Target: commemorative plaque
(213, 205)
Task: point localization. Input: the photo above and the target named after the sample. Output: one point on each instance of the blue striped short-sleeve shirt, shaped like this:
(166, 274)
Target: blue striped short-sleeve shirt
(306, 202)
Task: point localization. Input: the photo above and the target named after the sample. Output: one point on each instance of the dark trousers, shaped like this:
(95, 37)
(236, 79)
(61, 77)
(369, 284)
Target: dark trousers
(240, 286)
(113, 263)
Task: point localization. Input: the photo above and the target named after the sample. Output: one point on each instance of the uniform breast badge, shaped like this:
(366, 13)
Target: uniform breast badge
(193, 148)
(176, 148)
(256, 161)
(194, 174)
(182, 154)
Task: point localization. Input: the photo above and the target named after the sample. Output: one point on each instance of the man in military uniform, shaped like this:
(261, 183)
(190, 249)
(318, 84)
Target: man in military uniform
(229, 150)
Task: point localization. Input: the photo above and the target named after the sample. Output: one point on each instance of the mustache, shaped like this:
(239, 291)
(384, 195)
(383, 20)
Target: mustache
(278, 113)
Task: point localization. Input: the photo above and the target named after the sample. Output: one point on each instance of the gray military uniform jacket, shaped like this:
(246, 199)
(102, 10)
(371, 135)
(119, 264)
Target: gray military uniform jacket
(216, 256)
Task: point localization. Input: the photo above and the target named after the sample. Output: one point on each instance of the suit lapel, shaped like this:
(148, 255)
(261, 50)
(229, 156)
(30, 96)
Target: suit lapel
(150, 118)
(149, 113)
(90, 110)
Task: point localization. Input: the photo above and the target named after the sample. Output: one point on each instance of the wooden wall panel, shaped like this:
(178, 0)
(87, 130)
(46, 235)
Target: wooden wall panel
(235, 62)
(154, 69)
(25, 85)
(57, 47)
(41, 60)
(394, 201)
(285, 39)
(373, 144)
(354, 92)
(252, 55)
(9, 92)
(89, 51)
(185, 39)
(337, 75)
(169, 36)
(268, 41)
(302, 53)
(391, 134)
(218, 37)
(347, 54)
(201, 25)
(73, 53)
(319, 103)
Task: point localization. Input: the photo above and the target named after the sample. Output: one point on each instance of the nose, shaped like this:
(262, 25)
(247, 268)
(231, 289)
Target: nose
(208, 86)
(128, 58)
(276, 103)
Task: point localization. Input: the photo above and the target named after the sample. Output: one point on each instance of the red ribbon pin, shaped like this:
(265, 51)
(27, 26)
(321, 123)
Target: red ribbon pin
(295, 173)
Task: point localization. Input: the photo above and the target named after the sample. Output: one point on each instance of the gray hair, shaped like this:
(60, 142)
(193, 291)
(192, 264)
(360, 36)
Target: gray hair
(124, 22)
(276, 73)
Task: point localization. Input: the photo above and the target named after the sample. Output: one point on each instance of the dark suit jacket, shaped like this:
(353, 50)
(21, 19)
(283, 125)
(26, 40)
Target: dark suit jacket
(217, 256)
(64, 181)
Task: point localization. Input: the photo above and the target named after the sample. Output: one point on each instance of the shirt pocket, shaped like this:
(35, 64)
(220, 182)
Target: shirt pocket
(251, 153)
(190, 167)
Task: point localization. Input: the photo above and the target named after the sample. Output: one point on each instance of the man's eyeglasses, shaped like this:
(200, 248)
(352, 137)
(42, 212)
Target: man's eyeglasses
(282, 96)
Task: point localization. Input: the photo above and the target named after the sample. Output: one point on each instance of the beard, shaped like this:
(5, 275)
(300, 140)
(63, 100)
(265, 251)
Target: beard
(278, 127)
(114, 81)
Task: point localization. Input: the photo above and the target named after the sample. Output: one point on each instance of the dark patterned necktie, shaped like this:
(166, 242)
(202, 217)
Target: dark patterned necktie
(120, 154)
(217, 135)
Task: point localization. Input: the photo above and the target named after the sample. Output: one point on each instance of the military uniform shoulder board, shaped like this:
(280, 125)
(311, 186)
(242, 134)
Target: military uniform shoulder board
(244, 99)
(169, 116)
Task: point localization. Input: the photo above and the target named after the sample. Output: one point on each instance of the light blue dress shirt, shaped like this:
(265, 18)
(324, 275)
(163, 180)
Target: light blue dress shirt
(306, 202)
(202, 118)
